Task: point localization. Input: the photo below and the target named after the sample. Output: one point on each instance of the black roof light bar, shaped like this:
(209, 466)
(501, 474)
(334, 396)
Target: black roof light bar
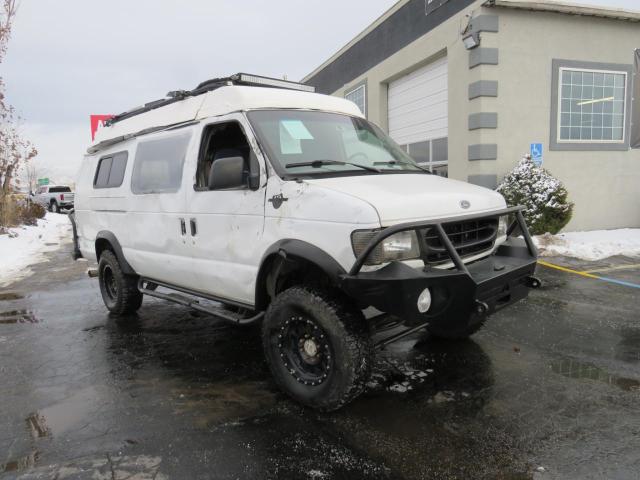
(243, 79)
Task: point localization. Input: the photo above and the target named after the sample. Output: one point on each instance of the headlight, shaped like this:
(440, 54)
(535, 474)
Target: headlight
(399, 246)
(503, 224)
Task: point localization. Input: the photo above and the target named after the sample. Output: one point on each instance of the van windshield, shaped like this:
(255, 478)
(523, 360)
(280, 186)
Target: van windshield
(305, 143)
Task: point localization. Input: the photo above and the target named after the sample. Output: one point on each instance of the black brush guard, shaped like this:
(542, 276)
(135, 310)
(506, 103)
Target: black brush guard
(462, 295)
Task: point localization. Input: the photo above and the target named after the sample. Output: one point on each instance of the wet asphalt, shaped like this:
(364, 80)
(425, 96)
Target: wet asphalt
(550, 388)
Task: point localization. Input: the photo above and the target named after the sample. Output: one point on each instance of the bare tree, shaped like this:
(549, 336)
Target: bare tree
(32, 175)
(15, 151)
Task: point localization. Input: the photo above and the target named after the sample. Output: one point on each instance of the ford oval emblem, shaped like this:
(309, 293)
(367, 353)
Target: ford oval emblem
(465, 204)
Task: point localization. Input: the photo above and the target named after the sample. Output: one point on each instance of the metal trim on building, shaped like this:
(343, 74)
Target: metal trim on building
(486, 180)
(485, 23)
(483, 120)
(483, 151)
(483, 88)
(483, 56)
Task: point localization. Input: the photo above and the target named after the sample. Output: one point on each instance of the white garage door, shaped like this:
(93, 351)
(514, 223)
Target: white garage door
(418, 114)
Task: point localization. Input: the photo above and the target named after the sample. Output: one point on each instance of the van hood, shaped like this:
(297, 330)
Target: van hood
(406, 197)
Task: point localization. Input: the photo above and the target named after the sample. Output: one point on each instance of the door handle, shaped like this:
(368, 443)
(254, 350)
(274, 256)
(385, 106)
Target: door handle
(194, 229)
(183, 227)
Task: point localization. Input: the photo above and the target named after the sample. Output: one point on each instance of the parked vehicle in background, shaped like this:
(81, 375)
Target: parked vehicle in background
(54, 197)
(292, 210)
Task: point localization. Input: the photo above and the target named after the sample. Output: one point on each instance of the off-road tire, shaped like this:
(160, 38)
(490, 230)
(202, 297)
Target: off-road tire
(119, 291)
(347, 333)
(460, 333)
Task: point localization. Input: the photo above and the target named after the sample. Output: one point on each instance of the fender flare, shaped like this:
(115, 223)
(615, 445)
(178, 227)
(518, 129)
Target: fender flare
(111, 239)
(294, 249)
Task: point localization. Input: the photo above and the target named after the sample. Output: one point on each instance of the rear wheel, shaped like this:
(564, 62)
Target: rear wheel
(317, 346)
(119, 291)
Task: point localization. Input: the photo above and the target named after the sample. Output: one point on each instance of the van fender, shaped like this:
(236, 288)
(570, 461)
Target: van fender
(107, 240)
(276, 257)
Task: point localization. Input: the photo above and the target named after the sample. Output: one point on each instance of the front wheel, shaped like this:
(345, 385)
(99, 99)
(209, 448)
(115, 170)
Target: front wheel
(317, 346)
(119, 291)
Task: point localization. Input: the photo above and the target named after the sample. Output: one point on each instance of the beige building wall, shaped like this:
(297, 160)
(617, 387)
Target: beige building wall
(605, 185)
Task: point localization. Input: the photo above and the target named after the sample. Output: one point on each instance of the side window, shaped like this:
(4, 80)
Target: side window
(110, 171)
(158, 164)
(221, 140)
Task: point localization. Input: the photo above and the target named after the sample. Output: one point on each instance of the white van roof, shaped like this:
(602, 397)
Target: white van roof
(221, 101)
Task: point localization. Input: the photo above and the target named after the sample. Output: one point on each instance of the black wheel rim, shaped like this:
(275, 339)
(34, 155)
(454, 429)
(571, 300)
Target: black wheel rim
(305, 350)
(109, 282)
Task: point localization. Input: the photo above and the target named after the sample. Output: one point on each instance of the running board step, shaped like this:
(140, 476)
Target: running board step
(148, 287)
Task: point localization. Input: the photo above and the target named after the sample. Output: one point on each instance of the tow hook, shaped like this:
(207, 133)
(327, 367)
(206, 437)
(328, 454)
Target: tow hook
(481, 308)
(533, 282)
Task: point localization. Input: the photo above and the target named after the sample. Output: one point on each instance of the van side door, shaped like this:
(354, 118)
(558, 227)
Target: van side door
(226, 226)
(157, 247)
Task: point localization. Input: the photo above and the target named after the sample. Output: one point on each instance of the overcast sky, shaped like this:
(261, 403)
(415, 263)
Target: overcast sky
(68, 59)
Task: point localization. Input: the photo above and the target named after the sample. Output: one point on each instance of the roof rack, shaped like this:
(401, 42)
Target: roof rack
(244, 79)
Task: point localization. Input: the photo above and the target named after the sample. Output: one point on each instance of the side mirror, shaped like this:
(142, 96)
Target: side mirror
(227, 173)
(254, 173)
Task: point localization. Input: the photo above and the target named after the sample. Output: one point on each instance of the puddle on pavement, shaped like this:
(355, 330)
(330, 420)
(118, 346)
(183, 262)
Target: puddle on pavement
(22, 463)
(72, 412)
(17, 316)
(10, 296)
(221, 402)
(577, 370)
(628, 349)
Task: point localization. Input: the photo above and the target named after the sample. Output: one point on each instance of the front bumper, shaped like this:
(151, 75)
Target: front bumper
(460, 296)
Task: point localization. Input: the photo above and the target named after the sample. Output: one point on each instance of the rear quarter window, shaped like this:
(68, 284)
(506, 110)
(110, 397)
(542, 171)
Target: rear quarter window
(158, 164)
(110, 171)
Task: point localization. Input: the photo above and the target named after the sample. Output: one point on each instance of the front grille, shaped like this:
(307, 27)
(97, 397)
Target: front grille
(468, 238)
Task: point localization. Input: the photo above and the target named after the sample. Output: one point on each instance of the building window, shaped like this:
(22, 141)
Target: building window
(592, 105)
(431, 154)
(358, 96)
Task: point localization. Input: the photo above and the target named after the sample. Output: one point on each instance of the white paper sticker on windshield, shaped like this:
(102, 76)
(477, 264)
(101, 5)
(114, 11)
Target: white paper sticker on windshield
(288, 144)
(296, 129)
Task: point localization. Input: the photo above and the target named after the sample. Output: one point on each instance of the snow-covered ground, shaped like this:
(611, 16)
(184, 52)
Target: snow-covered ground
(25, 246)
(594, 245)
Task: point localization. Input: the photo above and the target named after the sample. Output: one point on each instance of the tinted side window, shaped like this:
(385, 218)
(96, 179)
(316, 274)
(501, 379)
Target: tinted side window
(158, 164)
(110, 171)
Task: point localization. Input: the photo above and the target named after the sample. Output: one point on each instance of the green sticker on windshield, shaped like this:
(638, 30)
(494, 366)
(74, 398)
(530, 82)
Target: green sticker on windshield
(296, 129)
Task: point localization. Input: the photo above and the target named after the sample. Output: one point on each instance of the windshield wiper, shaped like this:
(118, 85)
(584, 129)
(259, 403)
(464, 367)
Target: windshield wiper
(394, 162)
(321, 163)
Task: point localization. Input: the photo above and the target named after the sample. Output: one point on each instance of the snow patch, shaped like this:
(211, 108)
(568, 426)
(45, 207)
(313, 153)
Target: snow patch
(25, 246)
(593, 245)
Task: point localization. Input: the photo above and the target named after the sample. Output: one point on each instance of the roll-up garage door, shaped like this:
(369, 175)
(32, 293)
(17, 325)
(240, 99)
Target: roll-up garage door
(418, 114)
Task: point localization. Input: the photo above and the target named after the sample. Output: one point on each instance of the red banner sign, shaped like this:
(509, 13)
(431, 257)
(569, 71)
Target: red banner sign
(97, 121)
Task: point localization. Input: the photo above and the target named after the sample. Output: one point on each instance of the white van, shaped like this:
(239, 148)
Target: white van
(291, 209)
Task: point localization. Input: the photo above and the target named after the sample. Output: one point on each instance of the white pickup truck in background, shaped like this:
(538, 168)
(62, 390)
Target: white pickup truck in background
(54, 197)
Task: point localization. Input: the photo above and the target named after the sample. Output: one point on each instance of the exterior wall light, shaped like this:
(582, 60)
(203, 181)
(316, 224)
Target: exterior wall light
(471, 40)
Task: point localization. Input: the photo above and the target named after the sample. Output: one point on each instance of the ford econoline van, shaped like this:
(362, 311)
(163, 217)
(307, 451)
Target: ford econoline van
(258, 201)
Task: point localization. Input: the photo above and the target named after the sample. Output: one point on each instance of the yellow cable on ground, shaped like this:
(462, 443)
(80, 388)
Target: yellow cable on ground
(588, 275)
(565, 269)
